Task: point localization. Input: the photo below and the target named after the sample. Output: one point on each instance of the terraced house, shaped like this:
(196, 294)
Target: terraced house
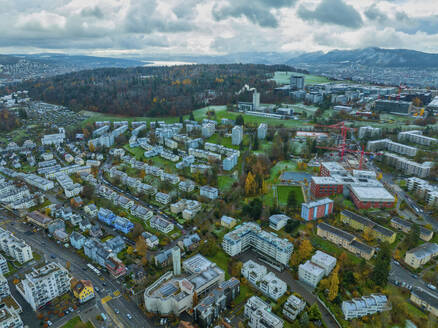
(362, 223)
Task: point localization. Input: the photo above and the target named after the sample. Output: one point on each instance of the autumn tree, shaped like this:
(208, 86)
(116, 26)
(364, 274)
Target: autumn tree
(140, 246)
(334, 286)
(250, 185)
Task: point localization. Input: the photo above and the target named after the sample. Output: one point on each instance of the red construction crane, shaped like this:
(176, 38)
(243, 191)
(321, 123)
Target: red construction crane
(362, 153)
(344, 130)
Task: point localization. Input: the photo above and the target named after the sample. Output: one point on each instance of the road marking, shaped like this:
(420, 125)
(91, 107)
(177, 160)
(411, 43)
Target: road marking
(106, 299)
(116, 293)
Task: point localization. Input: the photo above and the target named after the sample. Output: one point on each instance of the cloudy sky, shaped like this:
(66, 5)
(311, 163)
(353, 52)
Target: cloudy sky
(137, 27)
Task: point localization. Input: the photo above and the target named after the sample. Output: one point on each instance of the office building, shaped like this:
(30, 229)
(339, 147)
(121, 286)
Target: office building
(250, 235)
(366, 305)
(260, 314)
(421, 255)
(317, 209)
(237, 135)
(44, 284)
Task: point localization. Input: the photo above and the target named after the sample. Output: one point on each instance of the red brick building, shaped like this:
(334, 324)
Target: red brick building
(328, 169)
(325, 186)
(371, 197)
(316, 210)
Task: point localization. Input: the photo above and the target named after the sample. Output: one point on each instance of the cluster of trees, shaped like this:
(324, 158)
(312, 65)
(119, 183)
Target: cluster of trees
(8, 120)
(152, 91)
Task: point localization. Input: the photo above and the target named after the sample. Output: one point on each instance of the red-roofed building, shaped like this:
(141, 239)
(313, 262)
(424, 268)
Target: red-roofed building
(115, 267)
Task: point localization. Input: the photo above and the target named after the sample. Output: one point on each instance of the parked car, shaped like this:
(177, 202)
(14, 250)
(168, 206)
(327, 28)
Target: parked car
(129, 316)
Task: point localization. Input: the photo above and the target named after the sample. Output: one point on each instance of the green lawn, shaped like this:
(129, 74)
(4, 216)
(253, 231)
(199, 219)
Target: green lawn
(73, 322)
(225, 182)
(257, 120)
(331, 248)
(284, 78)
(283, 193)
(279, 168)
(137, 152)
(222, 260)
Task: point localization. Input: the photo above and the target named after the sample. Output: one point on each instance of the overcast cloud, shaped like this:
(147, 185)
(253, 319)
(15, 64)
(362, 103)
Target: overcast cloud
(142, 27)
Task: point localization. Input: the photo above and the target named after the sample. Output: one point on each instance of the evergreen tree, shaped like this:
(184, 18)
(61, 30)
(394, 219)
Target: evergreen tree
(381, 269)
(239, 120)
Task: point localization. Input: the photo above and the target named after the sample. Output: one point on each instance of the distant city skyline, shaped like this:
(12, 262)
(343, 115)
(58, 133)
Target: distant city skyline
(202, 27)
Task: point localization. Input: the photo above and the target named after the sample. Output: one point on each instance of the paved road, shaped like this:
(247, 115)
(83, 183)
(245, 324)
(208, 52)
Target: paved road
(54, 252)
(400, 274)
(294, 286)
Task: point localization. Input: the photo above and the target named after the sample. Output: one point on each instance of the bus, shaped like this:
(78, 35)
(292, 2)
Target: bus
(92, 268)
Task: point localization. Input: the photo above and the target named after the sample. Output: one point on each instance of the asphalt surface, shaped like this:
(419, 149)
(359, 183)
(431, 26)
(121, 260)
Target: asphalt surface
(400, 274)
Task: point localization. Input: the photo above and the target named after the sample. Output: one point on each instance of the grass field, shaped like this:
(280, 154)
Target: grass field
(76, 320)
(225, 182)
(284, 78)
(222, 260)
(283, 193)
(332, 249)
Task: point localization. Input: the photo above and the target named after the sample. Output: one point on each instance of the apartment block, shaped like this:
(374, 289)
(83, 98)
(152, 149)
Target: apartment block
(369, 131)
(366, 305)
(237, 135)
(362, 223)
(293, 306)
(262, 130)
(421, 255)
(209, 192)
(425, 300)
(268, 283)
(406, 226)
(424, 190)
(417, 137)
(345, 240)
(407, 166)
(250, 235)
(260, 314)
(14, 247)
(44, 284)
(317, 209)
(389, 145)
(9, 317)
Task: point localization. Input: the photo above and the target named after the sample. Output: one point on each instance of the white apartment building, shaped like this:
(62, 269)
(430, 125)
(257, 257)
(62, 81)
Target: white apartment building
(44, 284)
(262, 130)
(310, 273)
(272, 286)
(423, 189)
(389, 145)
(3, 265)
(417, 137)
(369, 131)
(325, 261)
(38, 182)
(162, 198)
(53, 139)
(293, 306)
(9, 317)
(161, 224)
(250, 235)
(253, 272)
(208, 130)
(259, 314)
(366, 305)
(237, 135)
(407, 166)
(209, 192)
(4, 287)
(14, 247)
(186, 186)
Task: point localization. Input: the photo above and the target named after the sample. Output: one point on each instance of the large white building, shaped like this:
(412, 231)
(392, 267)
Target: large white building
(260, 314)
(250, 235)
(237, 135)
(389, 145)
(44, 284)
(407, 166)
(208, 130)
(14, 247)
(9, 317)
(209, 192)
(310, 273)
(424, 189)
(417, 137)
(268, 283)
(366, 305)
(262, 130)
(369, 131)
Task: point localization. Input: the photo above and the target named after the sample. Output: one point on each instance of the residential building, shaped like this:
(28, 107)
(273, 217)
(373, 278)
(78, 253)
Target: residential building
(228, 222)
(272, 286)
(262, 130)
(208, 130)
(115, 266)
(83, 290)
(162, 198)
(9, 317)
(366, 305)
(210, 307)
(278, 221)
(406, 226)
(44, 284)
(91, 210)
(4, 287)
(161, 224)
(150, 239)
(14, 247)
(325, 261)
(77, 240)
(250, 235)
(237, 135)
(123, 224)
(345, 240)
(417, 137)
(296, 82)
(209, 192)
(425, 300)
(369, 132)
(310, 273)
(260, 314)
(362, 223)
(4, 268)
(186, 186)
(389, 145)
(424, 190)
(172, 294)
(421, 255)
(253, 271)
(317, 209)
(293, 306)
(141, 212)
(39, 219)
(407, 166)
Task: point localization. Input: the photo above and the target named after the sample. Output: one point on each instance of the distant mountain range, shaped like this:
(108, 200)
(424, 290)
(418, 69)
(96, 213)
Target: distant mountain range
(78, 61)
(376, 57)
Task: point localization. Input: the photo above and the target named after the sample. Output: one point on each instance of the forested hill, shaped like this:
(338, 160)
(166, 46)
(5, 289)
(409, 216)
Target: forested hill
(151, 91)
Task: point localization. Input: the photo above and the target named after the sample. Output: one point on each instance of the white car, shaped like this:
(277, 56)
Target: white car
(129, 316)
